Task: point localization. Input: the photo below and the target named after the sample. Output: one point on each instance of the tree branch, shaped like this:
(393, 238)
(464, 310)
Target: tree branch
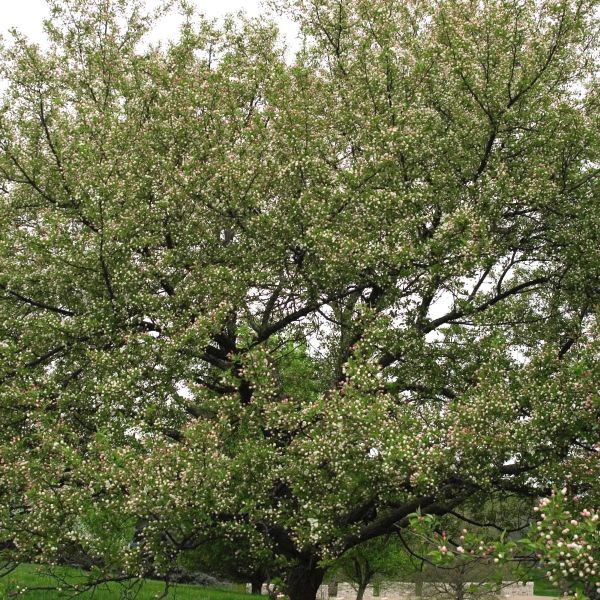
(36, 303)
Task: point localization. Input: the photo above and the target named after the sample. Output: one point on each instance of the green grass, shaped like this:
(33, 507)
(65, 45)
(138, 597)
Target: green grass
(32, 576)
(543, 587)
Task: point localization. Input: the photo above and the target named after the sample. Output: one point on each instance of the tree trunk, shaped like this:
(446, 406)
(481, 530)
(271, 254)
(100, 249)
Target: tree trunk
(303, 581)
(361, 590)
(256, 585)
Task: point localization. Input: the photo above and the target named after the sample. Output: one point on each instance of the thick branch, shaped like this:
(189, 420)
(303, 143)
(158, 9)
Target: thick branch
(457, 314)
(36, 303)
(267, 332)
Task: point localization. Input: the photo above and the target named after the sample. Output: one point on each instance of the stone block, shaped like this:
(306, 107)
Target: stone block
(397, 590)
(267, 588)
(369, 593)
(345, 591)
(430, 590)
(511, 589)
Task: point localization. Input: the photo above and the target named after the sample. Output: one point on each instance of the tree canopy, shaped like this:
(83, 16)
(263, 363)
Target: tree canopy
(293, 300)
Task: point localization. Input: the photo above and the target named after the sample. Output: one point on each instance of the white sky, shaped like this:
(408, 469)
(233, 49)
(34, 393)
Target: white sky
(27, 16)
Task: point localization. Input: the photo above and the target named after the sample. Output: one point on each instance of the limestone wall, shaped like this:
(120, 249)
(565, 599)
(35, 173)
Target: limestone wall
(510, 589)
(398, 590)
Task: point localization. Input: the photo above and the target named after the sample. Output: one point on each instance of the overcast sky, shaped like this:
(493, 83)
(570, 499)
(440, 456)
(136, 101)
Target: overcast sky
(27, 16)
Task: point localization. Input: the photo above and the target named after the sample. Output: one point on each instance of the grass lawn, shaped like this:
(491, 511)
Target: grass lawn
(543, 587)
(31, 576)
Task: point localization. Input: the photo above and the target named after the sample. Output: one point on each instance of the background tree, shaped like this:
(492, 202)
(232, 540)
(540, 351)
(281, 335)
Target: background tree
(233, 560)
(414, 199)
(383, 557)
(459, 550)
(564, 540)
(465, 579)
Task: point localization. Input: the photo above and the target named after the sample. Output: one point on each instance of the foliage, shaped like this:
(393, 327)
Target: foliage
(34, 582)
(383, 558)
(411, 204)
(567, 539)
(459, 550)
(463, 578)
(233, 560)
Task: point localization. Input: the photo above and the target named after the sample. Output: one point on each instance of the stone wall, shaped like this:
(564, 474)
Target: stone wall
(346, 591)
(398, 590)
(322, 592)
(510, 589)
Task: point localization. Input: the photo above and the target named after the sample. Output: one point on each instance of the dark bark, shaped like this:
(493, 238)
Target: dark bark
(363, 575)
(304, 580)
(361, 590)
(257, 580)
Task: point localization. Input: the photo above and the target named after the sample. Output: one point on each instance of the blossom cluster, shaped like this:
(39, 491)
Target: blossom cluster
(567, 539)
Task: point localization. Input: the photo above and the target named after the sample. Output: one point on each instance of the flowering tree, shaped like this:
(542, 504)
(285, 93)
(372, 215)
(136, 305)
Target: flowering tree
(292, 302)
(567, 539)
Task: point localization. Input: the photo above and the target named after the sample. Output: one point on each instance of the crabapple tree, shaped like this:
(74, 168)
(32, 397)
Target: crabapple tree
(567, 539)
(292, 300)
